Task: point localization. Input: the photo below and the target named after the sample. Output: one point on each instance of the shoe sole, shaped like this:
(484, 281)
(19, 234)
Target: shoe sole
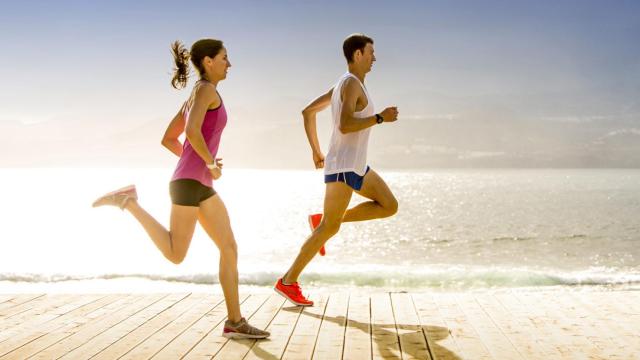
(288, 298)
(234, 335)
(124, 190)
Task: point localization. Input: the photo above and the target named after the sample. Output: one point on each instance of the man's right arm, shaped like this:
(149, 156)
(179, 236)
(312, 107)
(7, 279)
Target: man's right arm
(309, 116)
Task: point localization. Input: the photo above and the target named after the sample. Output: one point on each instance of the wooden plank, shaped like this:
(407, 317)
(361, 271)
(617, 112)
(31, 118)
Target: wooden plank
(89, 330)
(127, 325)
(254, 309)
(515, 321)
(303, 340)
(197, 332)
(6, 297)
(548, 324)
(71, 326)
(16, 300)
(357, 341)
(385, 343)
(439, 339)
(498, 344)
(572, 328)
(598, 332)
(37, 311)
(461, 329)
(281, 328)
(75, 309)
(603, 309)
(412, 340)
(146, 330)
(160, 339)
(330, 342)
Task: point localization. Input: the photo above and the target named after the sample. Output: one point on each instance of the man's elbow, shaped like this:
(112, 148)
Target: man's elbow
(306, 112)
(344, 129)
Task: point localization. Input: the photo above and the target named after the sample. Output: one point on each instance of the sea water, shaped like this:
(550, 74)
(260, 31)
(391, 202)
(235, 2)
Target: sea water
(455, 229)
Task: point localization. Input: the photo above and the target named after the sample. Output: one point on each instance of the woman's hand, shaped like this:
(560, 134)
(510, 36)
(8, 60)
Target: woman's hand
(216, 171)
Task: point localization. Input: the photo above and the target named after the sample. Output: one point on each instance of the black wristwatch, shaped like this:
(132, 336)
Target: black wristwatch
(379, 119)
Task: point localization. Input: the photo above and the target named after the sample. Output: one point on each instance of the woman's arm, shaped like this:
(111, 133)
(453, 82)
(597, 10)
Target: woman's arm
(205, 95)
(173, 132)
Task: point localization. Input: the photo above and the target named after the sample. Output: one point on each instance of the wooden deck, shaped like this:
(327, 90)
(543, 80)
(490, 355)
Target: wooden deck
(488, 325)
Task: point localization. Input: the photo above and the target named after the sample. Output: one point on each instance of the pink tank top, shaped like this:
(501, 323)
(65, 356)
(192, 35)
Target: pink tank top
(191, 165)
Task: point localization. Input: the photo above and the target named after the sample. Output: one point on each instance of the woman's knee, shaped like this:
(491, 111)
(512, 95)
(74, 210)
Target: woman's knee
(228, 249)
(177, 257)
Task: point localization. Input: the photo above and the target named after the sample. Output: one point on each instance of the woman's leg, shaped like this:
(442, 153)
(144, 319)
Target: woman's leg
(175, 243)
(214, 219)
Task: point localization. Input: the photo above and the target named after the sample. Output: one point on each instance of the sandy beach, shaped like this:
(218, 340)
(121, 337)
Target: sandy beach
(491, 324)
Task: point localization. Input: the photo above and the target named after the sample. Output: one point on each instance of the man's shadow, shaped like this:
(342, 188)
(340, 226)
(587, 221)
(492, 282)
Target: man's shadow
(380, 333)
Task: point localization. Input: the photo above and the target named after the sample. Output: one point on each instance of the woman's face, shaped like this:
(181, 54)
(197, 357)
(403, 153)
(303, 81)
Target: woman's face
(219, 65)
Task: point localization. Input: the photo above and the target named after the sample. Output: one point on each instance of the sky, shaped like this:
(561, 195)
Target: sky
(478, 84)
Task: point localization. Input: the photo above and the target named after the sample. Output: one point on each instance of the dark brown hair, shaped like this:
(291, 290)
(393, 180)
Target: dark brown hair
(199, 49)
(355, 42)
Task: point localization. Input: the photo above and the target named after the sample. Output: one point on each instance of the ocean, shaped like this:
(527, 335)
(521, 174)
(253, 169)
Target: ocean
(455, 230)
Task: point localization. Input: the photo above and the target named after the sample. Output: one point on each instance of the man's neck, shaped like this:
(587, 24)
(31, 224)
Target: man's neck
(357, 72)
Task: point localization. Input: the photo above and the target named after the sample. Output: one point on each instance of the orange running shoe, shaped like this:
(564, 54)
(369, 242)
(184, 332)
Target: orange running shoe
(314, 222)
(292, 293)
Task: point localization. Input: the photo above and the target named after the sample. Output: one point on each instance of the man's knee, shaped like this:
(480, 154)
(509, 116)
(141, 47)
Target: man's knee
(330, 226)
(391, 207)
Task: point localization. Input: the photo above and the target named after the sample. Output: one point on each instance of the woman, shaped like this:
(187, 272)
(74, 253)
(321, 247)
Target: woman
(202, 117)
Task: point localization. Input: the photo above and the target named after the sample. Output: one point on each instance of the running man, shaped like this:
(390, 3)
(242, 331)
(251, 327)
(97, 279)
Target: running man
(345, 166)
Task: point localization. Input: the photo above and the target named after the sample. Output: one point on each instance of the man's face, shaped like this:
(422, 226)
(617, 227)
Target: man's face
(368, 57)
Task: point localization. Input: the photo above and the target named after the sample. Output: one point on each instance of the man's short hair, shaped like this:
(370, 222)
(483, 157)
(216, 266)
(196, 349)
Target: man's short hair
(355, 42)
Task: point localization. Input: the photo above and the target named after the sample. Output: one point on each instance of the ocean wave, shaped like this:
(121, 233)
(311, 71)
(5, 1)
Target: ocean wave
(442, 278)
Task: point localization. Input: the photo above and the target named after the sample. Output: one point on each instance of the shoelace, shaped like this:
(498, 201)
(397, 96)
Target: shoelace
(298, 291)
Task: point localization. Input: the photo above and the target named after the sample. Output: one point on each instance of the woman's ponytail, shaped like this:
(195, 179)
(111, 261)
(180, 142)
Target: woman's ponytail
(181, 70)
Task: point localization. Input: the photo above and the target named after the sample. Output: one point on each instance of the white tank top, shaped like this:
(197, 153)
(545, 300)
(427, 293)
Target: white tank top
(347, 152)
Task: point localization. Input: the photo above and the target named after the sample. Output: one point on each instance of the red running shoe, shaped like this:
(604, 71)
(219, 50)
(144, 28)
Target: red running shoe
(292, 293)
(314, 222)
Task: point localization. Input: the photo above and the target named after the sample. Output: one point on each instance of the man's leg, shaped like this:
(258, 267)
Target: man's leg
(383, 203)
(336, 200)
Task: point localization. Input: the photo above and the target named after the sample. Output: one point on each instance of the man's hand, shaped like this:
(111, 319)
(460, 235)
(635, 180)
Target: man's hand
(318, 160)
(390, 114)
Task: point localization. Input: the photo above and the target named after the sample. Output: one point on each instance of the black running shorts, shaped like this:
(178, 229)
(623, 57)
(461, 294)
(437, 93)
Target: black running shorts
(189, 192)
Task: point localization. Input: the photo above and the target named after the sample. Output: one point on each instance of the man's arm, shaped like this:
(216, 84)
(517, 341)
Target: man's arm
(309, 116)
(348, 123)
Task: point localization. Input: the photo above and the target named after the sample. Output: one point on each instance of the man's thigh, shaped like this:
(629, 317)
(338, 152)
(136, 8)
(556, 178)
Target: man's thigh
(374, 188)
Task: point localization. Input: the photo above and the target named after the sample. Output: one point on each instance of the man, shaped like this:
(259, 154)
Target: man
(345, 166)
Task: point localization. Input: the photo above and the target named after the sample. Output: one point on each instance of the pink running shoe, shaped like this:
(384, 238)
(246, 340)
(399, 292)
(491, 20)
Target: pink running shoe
(118, 197)
(314, 222)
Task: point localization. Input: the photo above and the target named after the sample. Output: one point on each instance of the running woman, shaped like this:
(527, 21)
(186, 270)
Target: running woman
(345, 167)
(202, 118)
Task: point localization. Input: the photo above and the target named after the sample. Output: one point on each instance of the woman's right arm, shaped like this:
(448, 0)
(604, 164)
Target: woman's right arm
(173, 132)
(309, 116)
